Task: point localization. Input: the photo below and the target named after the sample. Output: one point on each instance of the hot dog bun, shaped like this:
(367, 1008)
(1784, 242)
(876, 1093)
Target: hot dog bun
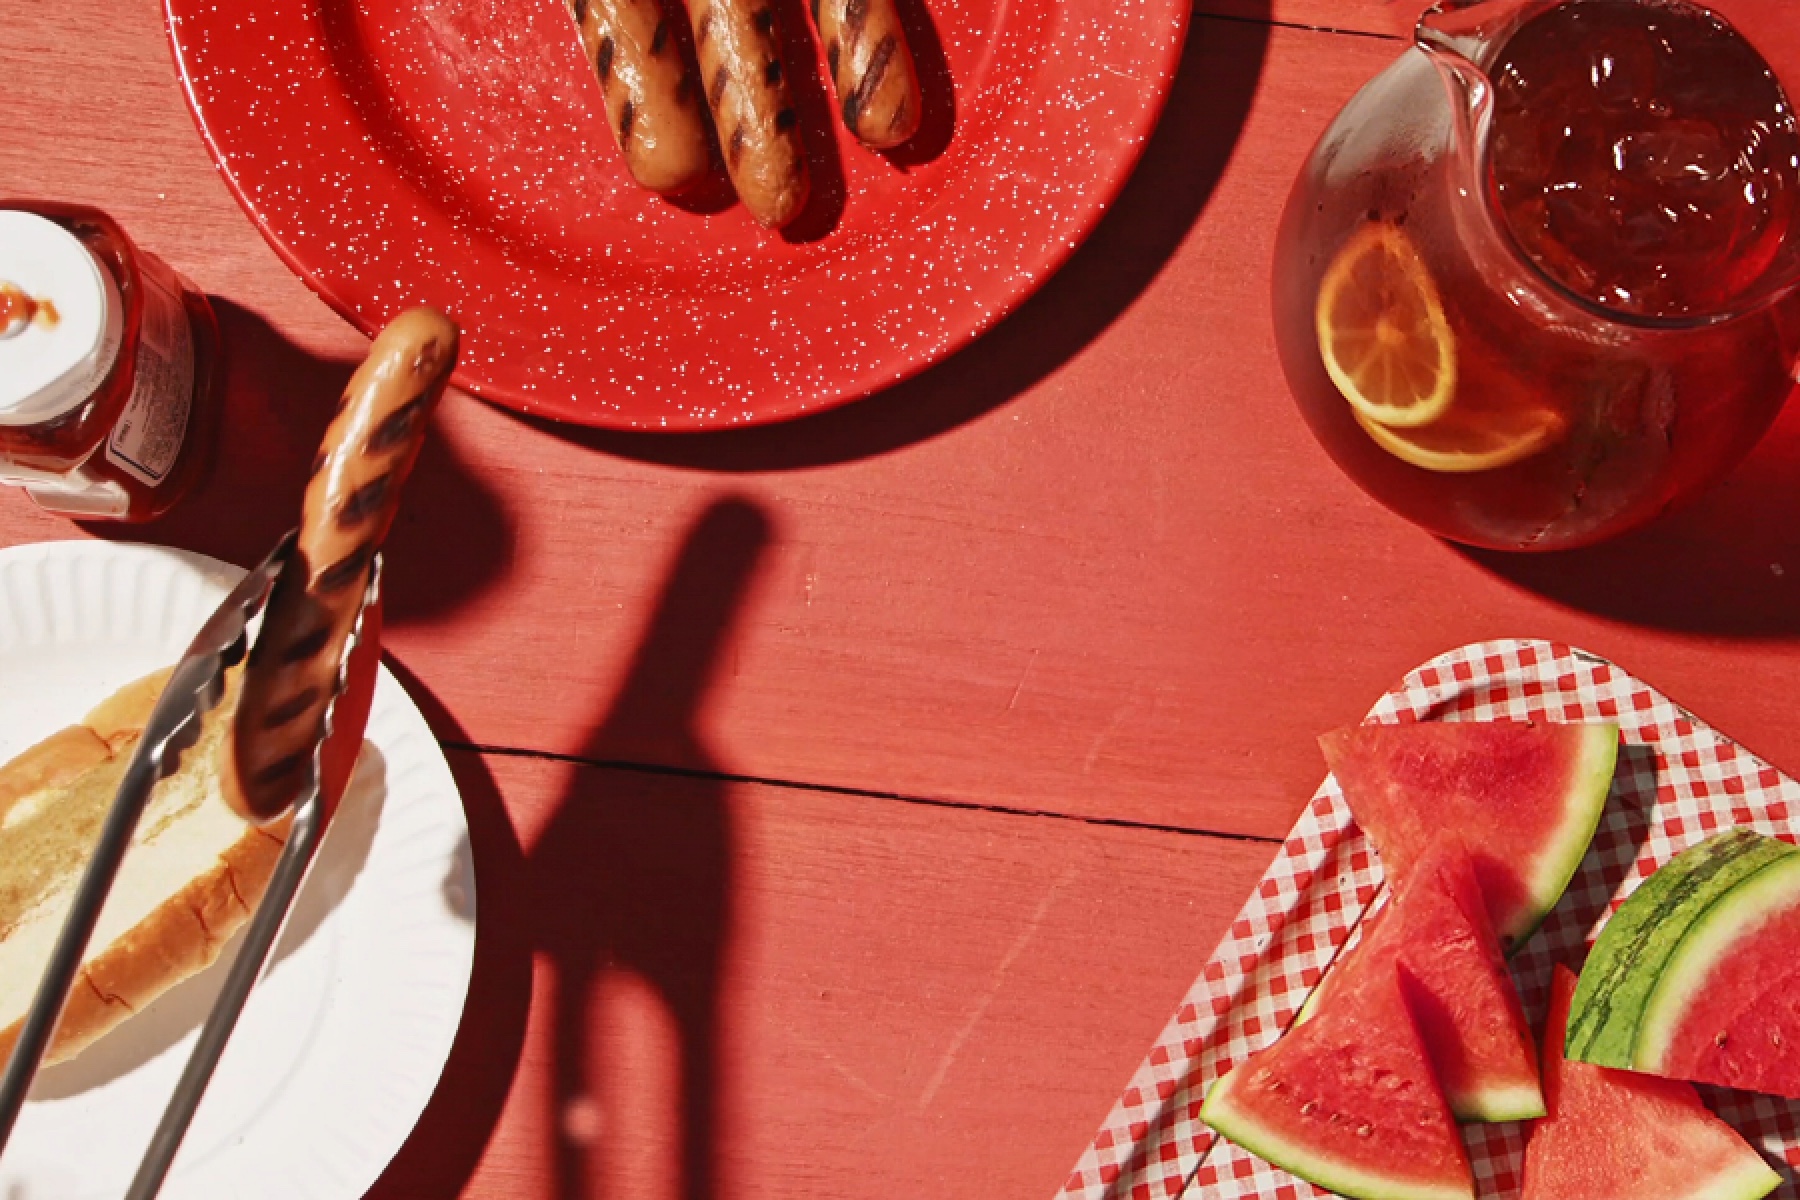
(350, 502)
(194, 872)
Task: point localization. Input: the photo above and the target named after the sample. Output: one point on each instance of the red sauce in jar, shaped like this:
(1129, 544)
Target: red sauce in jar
(19, 309)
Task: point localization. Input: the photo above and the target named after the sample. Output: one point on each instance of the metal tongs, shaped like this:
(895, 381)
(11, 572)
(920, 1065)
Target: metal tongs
(195, 689)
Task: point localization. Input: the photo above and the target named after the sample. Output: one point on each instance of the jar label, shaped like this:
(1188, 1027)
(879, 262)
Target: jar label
(147, 440)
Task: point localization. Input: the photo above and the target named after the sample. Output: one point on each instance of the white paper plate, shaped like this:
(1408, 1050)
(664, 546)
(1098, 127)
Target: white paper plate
(342, 1044)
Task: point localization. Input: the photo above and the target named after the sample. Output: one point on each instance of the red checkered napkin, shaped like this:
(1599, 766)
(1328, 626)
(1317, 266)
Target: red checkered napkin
(1678, 782)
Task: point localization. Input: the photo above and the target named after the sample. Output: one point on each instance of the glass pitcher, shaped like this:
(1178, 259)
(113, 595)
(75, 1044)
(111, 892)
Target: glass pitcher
(1537, 281)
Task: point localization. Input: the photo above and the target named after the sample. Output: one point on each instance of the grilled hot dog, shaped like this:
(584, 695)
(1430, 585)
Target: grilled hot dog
(350, 501)
(871, 68)
(652, 100)
(746, 88)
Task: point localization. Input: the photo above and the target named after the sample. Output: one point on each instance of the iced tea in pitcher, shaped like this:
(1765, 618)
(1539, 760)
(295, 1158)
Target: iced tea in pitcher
(1538, 280)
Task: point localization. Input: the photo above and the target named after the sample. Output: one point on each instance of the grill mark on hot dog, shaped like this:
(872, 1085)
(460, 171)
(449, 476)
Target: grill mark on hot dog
(660, 38)
(397, 430)
(306, 646)
(603, 59)
(734, 150)
(684, 91)
(280, 769)
(831, 58)
(719, 83)
(344, 572)
(786, 119)
(864, 91)
(703, 30)
(580, 11)
(293, 709)
(364, 502)
(901, 115)
(765, 20)
(627, 116)
(815, 11)
(772, 72)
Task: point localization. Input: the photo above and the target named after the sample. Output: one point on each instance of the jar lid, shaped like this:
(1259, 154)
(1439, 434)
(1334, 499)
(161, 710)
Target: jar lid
(60, 319)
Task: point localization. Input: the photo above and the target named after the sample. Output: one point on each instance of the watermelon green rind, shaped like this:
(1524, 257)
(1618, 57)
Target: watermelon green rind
(1709, 939)
(1590, 783)
(1750, 1181)
(1334, 1175)
(1638, 942)
(1495, 1105)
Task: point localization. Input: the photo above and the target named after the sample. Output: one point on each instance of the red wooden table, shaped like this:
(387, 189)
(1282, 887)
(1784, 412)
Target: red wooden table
(852, 801)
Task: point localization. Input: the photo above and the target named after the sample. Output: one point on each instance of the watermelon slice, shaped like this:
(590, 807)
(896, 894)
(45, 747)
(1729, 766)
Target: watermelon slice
(1641, 938)
(1456, 987)
(1725, 1009)
(1347, 1101)
(1613, 1135)
(1525, 797)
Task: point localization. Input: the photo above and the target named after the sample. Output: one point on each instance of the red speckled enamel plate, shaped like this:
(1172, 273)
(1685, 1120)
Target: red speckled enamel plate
(454, 152)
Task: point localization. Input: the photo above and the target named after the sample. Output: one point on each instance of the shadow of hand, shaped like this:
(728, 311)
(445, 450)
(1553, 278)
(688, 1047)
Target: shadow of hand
(632, 874)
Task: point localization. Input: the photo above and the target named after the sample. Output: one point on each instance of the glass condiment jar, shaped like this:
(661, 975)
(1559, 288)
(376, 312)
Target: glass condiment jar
(109, 366)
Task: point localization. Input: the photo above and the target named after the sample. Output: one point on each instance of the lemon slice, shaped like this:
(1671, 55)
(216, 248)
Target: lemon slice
(1382, 331)
(1478, 442)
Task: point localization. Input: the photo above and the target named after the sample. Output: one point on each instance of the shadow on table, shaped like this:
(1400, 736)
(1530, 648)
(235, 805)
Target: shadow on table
(630, 880)
(441, 1153)
(1726, 564)
(451, 538)
(1180, 168)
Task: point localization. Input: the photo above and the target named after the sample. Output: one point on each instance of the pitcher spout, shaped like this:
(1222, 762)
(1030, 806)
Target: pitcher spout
(1462, 39)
